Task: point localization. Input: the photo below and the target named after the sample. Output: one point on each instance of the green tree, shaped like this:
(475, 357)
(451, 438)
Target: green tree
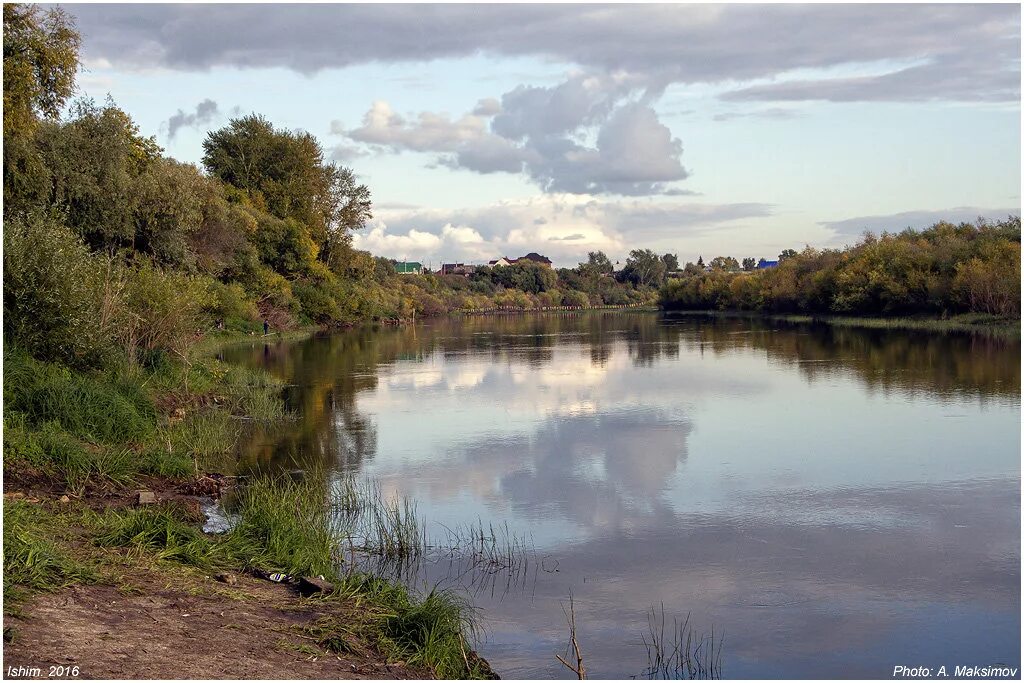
(597, 263)
(644, 268)
(40, 64)
(749, 263)
(284, 173)
(94, 163)
(787, 254)
(725, 263)
(671, 262)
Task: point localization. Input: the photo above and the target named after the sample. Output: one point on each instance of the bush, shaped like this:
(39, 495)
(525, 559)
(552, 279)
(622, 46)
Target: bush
(230, 304)
(164, 310)
(315, 303)
(51, 290)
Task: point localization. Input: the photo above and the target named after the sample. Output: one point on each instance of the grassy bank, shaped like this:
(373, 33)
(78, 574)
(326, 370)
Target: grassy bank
(79, 443)
(992, 326)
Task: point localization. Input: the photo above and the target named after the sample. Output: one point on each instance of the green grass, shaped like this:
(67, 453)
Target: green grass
(287, 526)
(91, 407)
(160, 531)
(254, 394)
(66, 458)
(434, 631)
(33, 557)
(974, 323)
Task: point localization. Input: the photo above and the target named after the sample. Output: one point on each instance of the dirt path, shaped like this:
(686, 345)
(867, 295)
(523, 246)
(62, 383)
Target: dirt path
(165, 626)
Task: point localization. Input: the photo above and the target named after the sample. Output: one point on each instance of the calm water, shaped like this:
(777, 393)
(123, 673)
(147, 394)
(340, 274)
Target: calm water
(835, 501)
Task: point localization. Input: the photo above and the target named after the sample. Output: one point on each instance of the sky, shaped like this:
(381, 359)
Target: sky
(700, 130)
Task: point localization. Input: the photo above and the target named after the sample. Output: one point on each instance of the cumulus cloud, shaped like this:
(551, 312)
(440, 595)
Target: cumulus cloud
(487, 107)
(852, 228)
(536, 130)
(382, 126)
(564, 227)
(206, 111)
(668, 43)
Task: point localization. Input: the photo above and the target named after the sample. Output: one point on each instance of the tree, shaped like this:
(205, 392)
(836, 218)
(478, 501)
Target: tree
(671, 262)
(597, 263)
(644, 268)
(787, 254)
(284, 173)
(725, 263)
(40, 63)
(692, 269)
(347, 206)
(749, 263)
(700, 262)
(94, 163)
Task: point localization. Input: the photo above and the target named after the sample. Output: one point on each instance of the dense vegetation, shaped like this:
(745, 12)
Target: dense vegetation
(115, 248)
(944, 270)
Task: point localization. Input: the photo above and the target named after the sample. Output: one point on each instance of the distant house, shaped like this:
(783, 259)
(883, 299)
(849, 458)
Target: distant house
(534, 258)
(409, 268)
(503, 261)
(762, 264)
(457, 269)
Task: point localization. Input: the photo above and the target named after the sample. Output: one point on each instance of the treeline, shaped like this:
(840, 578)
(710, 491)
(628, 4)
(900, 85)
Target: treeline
(945, 269)
(110, 245)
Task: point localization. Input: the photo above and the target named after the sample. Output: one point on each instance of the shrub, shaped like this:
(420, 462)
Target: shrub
(315, 303)
(51, 290)
(165, 310)
(231, 304)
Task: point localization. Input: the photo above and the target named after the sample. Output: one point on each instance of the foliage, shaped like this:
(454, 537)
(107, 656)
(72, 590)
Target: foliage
(284, 174)
(52, 287)
(95, 163)
(40, 63)
(645, 268)
(946, 269)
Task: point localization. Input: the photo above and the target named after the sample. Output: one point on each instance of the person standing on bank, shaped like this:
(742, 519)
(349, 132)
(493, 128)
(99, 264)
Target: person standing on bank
(266, 327)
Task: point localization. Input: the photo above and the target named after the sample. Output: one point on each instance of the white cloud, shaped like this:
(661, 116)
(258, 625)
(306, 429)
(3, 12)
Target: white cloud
(537, 130)
(564, 227)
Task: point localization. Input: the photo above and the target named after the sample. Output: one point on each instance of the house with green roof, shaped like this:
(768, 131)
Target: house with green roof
(409, 267)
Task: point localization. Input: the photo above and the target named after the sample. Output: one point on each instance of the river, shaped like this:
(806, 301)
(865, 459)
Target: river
(834, 501)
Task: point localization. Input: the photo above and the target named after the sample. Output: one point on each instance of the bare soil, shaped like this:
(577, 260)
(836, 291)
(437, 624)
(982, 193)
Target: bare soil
(187, 625)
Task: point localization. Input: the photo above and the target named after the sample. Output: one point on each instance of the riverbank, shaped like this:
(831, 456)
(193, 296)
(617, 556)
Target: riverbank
(106, 474)
(967, 323)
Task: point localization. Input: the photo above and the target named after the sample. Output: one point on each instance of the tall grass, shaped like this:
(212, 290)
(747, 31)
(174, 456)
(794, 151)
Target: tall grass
(32, 557)
(52, 450)
(89, 407)
(254, 393)
(159, 531)
(286, 525)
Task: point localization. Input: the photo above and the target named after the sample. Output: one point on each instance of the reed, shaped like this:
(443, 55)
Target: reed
(680, 653)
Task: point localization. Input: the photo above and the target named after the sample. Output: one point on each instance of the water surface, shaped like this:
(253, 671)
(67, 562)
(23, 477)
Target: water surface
(835, 501)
